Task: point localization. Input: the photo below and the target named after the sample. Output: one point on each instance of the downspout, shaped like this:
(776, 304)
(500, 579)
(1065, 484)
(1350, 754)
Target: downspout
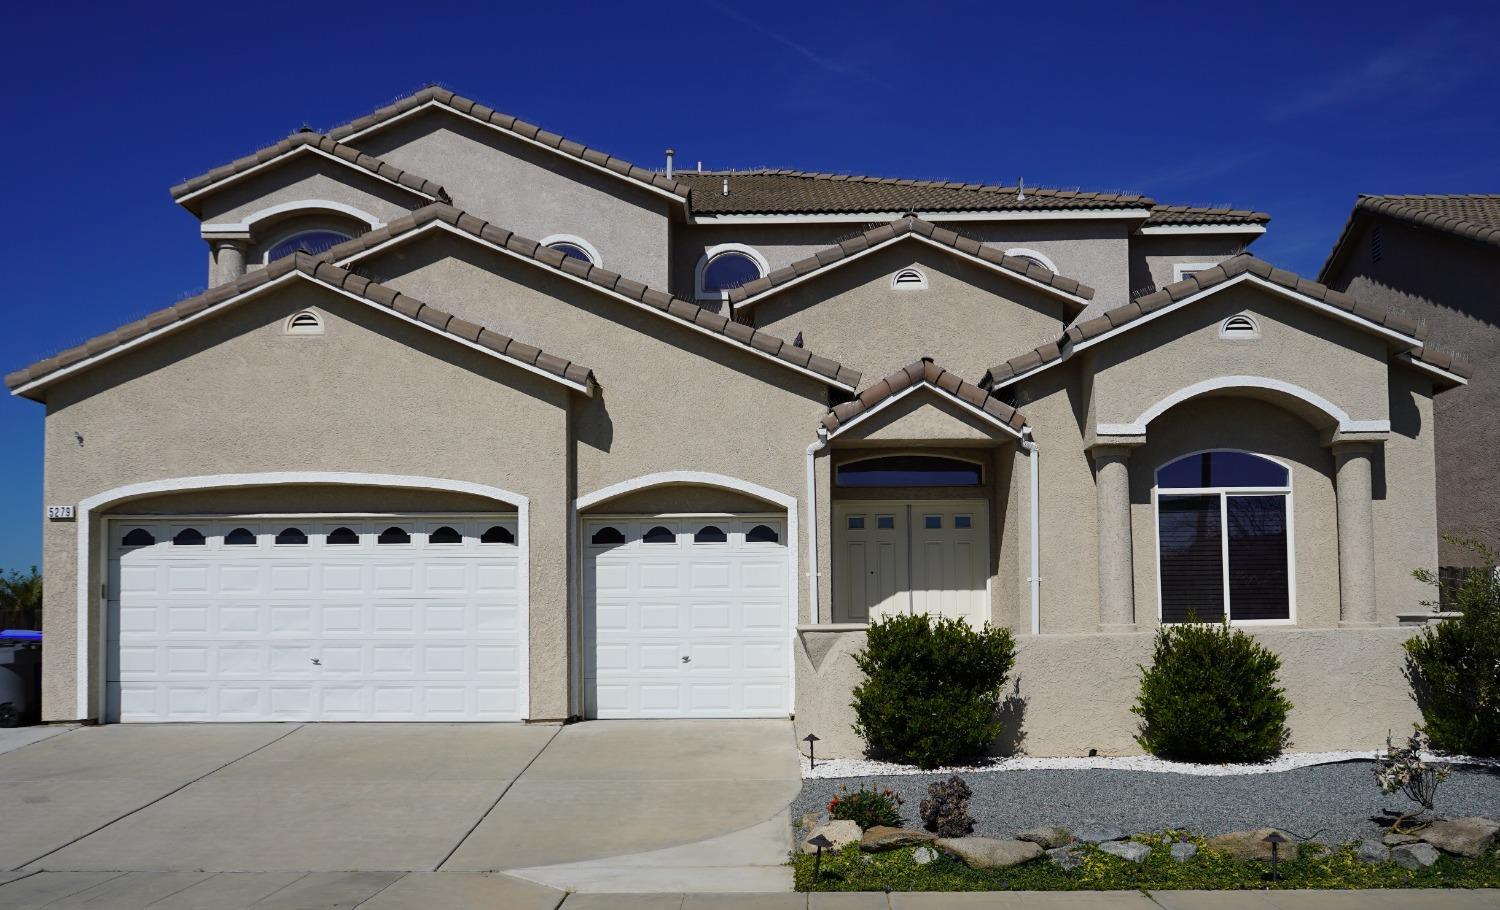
(812, 522)
(1034, 455)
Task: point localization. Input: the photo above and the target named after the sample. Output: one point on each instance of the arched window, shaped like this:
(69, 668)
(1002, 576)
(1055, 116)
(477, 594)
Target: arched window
(762, 534)
(710, 534)
(659, 534)
(910, 471)
(725, 267)
(1223, 524)
(909, 279)
(573, 247)
(342, 537)
(445, 534)
(291, 537)
(497, 534)
(1237, 328)
(393, 535)
(306, 322)
(240, 537)
(314, 242)
(188, 537)
(140, 537)
(607, 536)
(1034, 256)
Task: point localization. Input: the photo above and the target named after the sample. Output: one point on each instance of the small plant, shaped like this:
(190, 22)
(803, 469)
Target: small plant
(1454, 666)
(867, 808)
(945, 811)
(1402, 768)
(932, 687)
(1211, 694)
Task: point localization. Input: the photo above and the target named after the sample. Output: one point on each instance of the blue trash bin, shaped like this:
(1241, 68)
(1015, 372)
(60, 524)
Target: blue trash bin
(20, 677)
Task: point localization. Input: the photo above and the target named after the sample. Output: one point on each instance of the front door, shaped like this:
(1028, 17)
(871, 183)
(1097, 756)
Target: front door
(899, 556)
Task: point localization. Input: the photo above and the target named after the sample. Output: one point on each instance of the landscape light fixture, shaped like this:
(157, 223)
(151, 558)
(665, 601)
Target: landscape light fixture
(820, 841)
(1275, 839)
(810, 739)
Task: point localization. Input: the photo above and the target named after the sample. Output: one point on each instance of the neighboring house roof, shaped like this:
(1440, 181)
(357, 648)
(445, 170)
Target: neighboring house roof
(1472, 216)
(712, 324)
(1231, 271)
(325, 273)
(302, 143)
(435, 95)
(924, 373)
(1162, 215)
(911, 226)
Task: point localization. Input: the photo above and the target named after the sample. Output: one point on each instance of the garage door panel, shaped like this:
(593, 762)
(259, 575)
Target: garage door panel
(315, 630)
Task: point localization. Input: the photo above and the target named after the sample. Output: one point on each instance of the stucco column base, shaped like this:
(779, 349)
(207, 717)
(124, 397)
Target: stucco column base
(1119, 628)
(1357, 624)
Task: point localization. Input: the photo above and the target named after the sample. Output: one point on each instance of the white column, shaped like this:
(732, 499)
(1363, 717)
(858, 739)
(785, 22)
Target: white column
(227, 261)
(1355, 490)
(1116, 561)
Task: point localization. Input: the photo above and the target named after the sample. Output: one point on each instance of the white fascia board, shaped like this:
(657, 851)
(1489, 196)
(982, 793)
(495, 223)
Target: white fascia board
(964, 215)
(434, 103)
(44, 381)
(984, 263)
(444, 226)
(977, 412)
(271, 162)
(1437, 371)
(1203, 229)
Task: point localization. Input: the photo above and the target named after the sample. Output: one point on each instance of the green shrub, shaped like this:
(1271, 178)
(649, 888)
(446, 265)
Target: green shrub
(931, 692)
(1211, 695)
(867, 808)
(1455, 665)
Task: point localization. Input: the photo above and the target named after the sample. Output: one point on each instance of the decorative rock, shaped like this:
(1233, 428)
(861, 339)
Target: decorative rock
(1414, 856)
(1049, 836)
(811, 820)
(1469, 837)
(988, 852)
(1126, 850)
(1099, 835)
(1396, 840)
(1248, 845)
(882, 838)
(841, 833)
(1066, 858)
(1184, 852)
(923, 855)
(1372, 852)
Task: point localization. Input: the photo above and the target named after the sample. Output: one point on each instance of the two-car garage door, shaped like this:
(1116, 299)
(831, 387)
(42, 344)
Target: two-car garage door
(402, 618)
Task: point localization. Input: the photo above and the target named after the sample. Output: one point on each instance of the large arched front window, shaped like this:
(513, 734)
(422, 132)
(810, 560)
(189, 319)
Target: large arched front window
(1224, 531)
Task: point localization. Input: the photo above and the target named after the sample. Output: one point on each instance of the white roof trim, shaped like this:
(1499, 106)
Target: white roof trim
(434, 103)
(912, 235)
(1203, 229)
(1346, 424)
(927, 215)
(311, 206)
(43, 381)
(290, 153)
(924, 384)
(1426, 367)
(443, 225)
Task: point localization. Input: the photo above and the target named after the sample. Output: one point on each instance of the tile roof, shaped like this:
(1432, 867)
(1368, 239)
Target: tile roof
(328, 274)
(323, 143)
(1193, 214)
(510, 124)
(667, 305)
(901, 227)
(1205, 280)
(924, 372)
(1443, 359)
(1473, 216)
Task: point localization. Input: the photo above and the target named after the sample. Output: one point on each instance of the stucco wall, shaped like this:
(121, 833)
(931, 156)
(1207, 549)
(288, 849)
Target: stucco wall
(532, 191)
(234, 395)
(1154, 256)
(309, 176)
(1072, 693)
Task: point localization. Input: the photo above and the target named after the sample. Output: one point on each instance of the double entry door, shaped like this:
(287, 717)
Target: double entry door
(911, 556)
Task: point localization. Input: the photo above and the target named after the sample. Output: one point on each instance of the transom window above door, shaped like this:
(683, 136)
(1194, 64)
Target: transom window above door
(910, 471)
(1223, 522)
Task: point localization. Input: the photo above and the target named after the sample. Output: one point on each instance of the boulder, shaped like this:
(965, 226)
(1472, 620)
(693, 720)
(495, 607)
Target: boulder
(1414, 856)
(1130, 850)
(1248, 845)
(1396, 840)
(989, 852)
(1469, 837)
(1184, 851)
(1372, 852)
(1066, 858)
(841, 832)
(1049, 836)
(811, 820)
(1098, 835)
(923, 855)
(882, 838)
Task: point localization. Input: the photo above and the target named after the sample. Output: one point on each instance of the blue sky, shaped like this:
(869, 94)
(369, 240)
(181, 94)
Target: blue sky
(1291, 108)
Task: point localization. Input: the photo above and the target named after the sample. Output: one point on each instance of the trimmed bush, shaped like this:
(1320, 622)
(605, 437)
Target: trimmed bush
(1455, 666)
(867, 808)
(932, 687)
(1211, 695)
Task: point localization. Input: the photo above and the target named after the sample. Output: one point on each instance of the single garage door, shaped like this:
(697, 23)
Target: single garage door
(403, 618)
(687, 617)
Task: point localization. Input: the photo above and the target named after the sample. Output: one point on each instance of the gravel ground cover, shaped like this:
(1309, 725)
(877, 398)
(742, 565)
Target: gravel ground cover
(1331, 803)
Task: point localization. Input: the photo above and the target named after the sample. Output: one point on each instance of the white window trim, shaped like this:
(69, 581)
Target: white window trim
(1223, 493)
(919, 285)
(708, 256)
(282, 237)
(984, 474)
(298, 207)
(594, 258)
(1039, 256)
(1179, 267)
(1253, 334)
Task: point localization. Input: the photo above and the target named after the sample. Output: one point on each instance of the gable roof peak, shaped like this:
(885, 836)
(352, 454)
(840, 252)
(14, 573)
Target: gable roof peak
(924, 372)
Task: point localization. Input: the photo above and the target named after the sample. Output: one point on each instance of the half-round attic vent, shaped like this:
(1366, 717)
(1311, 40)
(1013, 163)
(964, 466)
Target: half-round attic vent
(1239, 327)
(304, 323)
(909, 280)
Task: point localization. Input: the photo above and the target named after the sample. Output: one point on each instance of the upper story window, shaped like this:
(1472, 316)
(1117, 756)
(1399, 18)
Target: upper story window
(725, 267)
(573, 247)
(1184, 269)
(1033, 256)
(1224, 538)
(314, 242)
(910, 471)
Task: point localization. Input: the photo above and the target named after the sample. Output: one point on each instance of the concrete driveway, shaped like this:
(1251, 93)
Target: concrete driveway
(393, 798)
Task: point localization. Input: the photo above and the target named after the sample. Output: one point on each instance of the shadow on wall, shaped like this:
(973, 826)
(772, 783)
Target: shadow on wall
(1012, 716)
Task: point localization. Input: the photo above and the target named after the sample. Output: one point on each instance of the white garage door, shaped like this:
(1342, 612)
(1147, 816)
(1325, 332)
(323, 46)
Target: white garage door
(389, 619)
(686, 617)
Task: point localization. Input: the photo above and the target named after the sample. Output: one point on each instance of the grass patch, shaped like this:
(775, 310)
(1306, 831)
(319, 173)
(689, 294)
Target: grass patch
(1317, 867)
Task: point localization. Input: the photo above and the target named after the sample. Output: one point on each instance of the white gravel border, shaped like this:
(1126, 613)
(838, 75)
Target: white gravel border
(862, 767)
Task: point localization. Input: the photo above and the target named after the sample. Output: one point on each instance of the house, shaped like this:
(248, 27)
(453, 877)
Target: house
(1436, 260)
(670, 457)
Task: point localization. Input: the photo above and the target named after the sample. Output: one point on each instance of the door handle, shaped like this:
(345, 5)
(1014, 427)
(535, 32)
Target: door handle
(686, 659)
